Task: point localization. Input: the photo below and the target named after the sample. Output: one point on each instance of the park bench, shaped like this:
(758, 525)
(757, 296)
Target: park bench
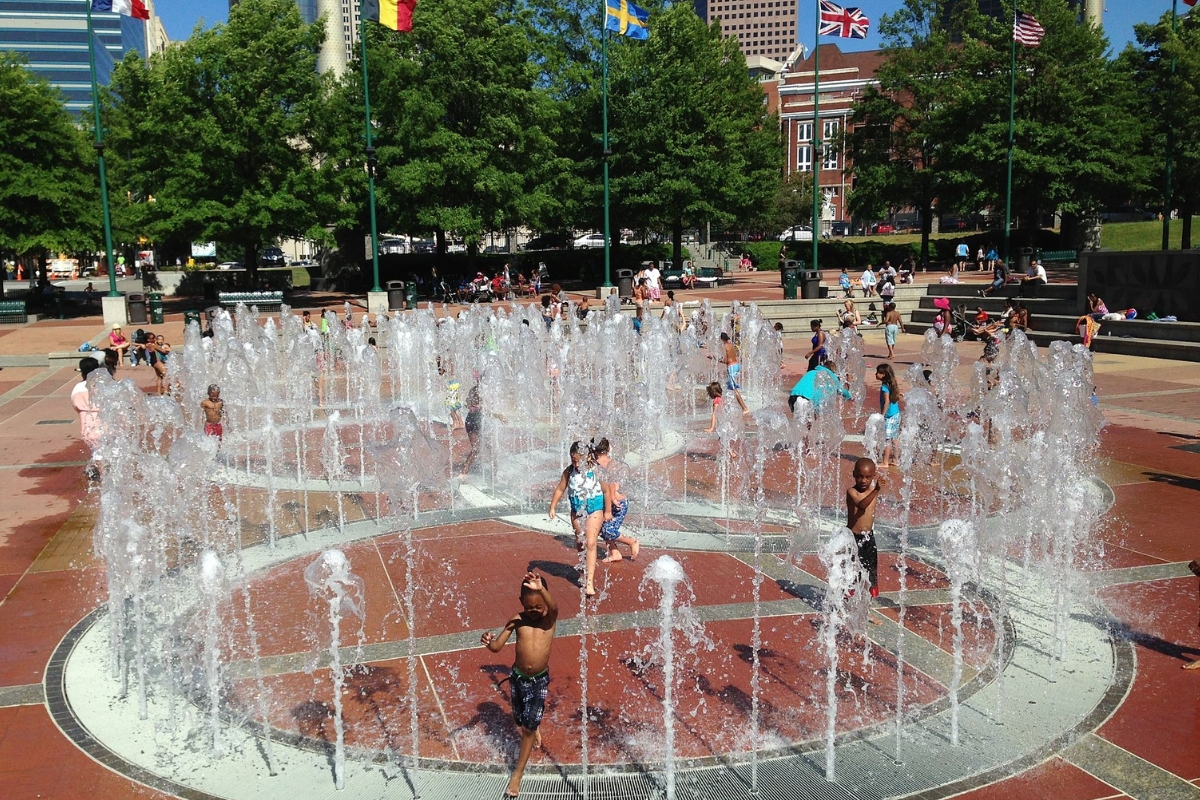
(712, 276)
(265, 301)
(1059, 257)
(672, 277)
(13, 311)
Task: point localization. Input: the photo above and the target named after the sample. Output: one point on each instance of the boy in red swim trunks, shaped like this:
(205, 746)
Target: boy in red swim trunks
(530, 677)
(214, 412)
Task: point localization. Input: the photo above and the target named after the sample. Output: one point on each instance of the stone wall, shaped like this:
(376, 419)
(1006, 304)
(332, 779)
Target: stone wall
(1165, 282)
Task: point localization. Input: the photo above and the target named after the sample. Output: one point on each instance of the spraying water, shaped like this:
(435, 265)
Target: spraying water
(330, 580)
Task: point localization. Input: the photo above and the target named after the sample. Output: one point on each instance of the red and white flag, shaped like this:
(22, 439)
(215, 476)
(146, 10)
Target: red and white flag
(1027, 31)
(849, 23)
(128, 8)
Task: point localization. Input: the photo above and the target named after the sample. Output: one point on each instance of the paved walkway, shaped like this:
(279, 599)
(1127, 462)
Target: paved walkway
(1147, 748)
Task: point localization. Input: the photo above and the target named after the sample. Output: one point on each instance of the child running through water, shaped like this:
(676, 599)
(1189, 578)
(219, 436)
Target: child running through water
(616, 505)
(889, 406)
(582, 487)
(214, 412)
(860, 519)
(529, 681)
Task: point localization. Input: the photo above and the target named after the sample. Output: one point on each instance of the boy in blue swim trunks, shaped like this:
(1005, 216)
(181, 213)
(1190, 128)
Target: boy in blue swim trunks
(529, 681)
(612, 473)
(733, 370)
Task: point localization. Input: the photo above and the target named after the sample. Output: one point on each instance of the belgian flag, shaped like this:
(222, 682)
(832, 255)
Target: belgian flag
(394, 14)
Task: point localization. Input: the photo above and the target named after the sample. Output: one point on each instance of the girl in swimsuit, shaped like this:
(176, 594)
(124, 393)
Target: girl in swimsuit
(586, 495)
(818, 345)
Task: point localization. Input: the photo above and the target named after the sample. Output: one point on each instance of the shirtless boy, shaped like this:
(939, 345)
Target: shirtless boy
(214, 412)
(733, 369)
(860, 518)
(530, 677)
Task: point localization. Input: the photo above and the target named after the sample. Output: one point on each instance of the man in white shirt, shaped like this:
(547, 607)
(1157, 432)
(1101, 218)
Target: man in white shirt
(1036, 272)
(654, 282)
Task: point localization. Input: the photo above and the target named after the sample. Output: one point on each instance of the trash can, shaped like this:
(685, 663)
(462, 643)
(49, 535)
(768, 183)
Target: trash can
(189, 317)
(789, 276)
(156, 308)
(1024, 255)
(625, 283)
(135, 305)
(210, 291)
(60, 301)
(810, 283)
(410, 295)
(395, 290)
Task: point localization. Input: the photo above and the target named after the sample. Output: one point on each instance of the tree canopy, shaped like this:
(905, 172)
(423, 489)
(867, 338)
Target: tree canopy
(944, 108)
(691, 138)
(49, 199)
(216, 131)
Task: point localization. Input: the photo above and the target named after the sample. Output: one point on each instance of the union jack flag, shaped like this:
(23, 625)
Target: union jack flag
(849, 23)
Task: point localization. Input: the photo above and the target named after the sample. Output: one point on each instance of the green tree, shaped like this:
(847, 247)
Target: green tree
(791, 204)
(1076, 132)
(463, 128)
(690, 135)
(216, 130)
(49, 200)
(900, 125)
(1169, 103)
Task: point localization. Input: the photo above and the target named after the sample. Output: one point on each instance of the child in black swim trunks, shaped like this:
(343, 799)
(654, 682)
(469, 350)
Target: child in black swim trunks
(530, 677)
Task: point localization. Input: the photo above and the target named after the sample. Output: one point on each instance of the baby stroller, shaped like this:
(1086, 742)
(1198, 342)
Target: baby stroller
(960, 328)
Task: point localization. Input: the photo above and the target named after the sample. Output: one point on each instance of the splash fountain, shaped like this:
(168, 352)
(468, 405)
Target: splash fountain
(204, 636)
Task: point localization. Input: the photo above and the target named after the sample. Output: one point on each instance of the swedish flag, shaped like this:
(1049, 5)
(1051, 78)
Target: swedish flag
(626, 19)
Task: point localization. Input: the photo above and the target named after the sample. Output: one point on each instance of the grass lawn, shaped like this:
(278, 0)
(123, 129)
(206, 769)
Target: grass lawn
(1113, 235)
(1144, 235)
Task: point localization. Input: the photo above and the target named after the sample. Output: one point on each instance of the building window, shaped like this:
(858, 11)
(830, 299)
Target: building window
(830, 161)
(829, 130)
(804, 159)
(804, 132)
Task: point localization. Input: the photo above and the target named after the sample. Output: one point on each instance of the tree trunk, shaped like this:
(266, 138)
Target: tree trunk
(926, 229)
(677, 244)
(1186, 210)
(250, 262)
(439, 251)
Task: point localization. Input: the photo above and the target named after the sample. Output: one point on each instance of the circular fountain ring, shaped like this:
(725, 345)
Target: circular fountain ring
(1056, 702)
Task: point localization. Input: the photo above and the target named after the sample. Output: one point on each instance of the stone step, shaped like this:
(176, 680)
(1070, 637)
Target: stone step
(1117, 345)
(1055, 291)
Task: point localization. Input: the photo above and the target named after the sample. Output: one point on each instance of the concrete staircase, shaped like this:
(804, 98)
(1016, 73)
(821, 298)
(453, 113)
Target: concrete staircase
(1053, 314)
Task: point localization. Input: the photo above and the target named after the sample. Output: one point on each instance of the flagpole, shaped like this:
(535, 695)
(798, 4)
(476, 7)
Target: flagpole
(816, 157)
(371, 159)
(1168, 192)
(1012, 110)
(99, 145)
(604, 105)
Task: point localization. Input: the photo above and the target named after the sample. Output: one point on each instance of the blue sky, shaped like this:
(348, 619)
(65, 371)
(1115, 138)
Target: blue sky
(181, 16)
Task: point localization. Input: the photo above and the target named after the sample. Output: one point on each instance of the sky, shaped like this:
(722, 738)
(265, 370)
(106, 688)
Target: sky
(181, 16)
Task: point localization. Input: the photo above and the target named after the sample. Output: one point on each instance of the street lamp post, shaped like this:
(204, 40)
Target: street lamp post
(99, 145)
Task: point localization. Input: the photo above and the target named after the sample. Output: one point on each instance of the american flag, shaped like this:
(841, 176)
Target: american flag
(1027, 31)
(849, 23)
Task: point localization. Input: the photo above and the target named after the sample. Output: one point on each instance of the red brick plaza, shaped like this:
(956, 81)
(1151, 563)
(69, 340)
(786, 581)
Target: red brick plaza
(1141, 743)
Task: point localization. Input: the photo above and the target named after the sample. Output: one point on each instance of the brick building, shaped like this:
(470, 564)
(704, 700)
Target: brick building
(844, 76)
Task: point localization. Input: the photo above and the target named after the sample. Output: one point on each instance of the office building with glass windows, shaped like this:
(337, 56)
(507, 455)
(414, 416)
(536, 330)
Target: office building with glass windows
(52, 37)
(765, 28)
